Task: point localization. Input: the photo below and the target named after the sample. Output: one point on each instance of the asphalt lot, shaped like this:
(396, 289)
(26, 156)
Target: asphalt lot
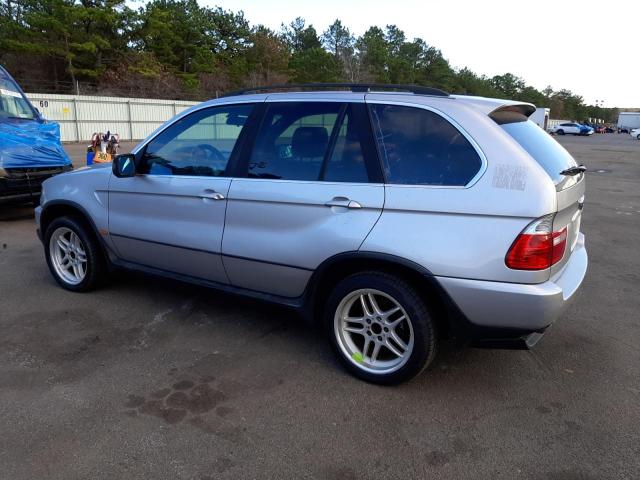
(83, 376)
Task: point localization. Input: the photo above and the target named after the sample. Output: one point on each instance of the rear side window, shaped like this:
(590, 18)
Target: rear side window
(551, 156)
(420, 147)
(309, 141)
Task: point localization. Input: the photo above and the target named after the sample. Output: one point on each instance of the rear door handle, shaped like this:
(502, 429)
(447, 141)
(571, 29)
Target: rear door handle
(213, 195)
(343, 202)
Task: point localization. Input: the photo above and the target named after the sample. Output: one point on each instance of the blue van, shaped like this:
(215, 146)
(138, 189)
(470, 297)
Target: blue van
(30, 147)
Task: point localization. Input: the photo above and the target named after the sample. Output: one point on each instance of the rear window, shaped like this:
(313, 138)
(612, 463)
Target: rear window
(551, 156)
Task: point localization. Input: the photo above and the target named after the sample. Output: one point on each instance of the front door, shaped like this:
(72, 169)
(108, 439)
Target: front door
(171, 215)
(312, 189)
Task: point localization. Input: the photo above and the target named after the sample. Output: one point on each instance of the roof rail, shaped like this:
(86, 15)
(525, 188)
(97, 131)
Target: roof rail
(354, 87)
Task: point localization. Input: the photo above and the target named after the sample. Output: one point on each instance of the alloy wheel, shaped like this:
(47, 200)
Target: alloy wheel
(373, 331)
(68, 255)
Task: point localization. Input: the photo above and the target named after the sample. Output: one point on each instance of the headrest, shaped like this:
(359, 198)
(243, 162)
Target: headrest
(309, 142)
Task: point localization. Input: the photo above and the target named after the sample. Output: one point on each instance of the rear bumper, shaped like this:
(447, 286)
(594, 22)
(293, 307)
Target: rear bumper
(518, 307)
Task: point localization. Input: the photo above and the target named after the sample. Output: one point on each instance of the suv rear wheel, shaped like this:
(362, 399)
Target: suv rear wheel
(380, 328)
(73, 255)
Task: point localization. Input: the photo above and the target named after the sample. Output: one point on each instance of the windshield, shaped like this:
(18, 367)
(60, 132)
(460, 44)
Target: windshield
(551, 156)
(12, 104)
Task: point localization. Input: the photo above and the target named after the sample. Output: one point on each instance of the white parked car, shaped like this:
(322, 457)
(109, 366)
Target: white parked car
(635, 133)
(572, 128)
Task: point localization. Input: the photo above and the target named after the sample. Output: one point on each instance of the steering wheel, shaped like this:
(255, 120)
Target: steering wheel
(212, 152)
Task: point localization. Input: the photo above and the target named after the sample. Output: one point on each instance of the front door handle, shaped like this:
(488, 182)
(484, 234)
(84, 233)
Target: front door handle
(343, 202)
(212, 195)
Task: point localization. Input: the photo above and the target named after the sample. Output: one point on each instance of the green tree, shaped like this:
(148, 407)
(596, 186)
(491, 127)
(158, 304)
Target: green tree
(315, 65)
(341, 44)
(337, 39)
(81, 37)
(179, 48)
(300, 37)
(374, 55)
(508, 85)
(267, 57)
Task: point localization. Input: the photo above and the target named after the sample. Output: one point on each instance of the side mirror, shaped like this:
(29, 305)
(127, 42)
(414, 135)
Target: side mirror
(124, 165)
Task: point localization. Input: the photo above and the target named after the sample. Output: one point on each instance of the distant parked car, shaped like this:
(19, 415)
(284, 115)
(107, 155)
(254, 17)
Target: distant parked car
(635, 133)
(600, 129)
(609, 130)
(572, 128)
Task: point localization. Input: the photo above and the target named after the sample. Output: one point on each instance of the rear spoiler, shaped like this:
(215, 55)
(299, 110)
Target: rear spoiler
(512, 113)
(525, 109)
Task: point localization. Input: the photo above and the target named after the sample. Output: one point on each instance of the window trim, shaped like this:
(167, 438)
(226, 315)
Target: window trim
(483, 158)
(333, 138)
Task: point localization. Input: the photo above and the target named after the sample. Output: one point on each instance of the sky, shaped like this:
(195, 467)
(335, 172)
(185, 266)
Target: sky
(589, 47)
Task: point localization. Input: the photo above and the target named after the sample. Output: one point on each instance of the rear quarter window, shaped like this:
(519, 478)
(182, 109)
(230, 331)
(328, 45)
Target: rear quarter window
(420, 147)
(551, 156)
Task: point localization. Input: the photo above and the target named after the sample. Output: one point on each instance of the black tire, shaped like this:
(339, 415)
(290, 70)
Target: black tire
(95, 264)
(560, 132)
(638, 137)
(424, 333)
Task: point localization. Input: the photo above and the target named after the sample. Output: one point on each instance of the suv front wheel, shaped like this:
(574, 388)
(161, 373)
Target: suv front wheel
(380, 328)
(73, 254)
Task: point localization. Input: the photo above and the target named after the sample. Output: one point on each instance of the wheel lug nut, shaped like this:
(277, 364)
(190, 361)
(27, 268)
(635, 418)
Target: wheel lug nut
(368, 320)
(386, 329)
(380, 338)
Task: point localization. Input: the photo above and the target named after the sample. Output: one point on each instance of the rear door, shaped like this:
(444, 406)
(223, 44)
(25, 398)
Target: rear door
(553, 158)
(170, 216)
(310, 188)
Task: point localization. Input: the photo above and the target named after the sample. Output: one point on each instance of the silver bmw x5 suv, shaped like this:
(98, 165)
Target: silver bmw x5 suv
(396, 215)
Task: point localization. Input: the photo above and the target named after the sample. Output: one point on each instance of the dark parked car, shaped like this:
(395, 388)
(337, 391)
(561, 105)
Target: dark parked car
(30, 148)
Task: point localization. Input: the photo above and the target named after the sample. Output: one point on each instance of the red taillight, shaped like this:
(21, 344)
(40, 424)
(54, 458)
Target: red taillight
(559, 245)
(537, 247)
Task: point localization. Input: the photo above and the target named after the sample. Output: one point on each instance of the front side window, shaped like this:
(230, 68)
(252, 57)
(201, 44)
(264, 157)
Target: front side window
(309, 141)
(419, 147)
(199, 144)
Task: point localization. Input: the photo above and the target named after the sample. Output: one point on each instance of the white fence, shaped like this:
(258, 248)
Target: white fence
(80, 116)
